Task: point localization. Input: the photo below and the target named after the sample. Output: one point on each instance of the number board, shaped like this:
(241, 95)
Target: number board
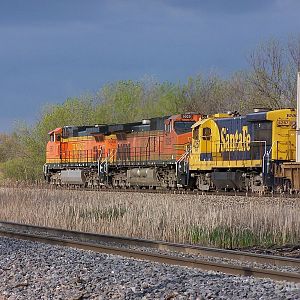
(186, 116)
(283, 122)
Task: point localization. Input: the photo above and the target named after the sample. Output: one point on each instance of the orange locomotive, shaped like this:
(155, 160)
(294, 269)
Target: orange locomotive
(150, 153)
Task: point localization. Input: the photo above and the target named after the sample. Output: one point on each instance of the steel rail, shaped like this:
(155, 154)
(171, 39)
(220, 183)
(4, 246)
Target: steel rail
(160, 245)
(7, 227)
(162, 191)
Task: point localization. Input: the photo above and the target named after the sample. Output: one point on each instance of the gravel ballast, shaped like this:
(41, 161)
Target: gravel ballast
(173, 253)
(37, 271)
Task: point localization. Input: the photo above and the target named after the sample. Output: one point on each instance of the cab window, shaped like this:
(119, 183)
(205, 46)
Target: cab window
(183, 127)
(206, 133)
(196, 133)
(168, 127)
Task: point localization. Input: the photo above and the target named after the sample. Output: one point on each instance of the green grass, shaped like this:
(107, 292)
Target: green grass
(226, 237)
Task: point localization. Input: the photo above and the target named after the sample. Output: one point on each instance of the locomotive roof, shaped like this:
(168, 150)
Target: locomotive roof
(156, 123)
(251, 117)
(56, 130)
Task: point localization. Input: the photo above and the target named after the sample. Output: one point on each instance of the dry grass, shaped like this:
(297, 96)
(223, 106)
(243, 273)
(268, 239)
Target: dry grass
(209, 220)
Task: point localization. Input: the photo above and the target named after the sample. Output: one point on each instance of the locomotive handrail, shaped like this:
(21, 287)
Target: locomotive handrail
(184, 155)
(289, 152)
(265, 154)
(45, 169)
(98, 160)
(105, 161)
(271, 148)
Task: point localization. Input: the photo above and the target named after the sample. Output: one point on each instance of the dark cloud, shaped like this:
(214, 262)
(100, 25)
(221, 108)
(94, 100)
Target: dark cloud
(50, 50)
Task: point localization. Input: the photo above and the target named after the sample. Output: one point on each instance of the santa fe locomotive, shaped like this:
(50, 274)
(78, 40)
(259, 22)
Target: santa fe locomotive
(221, 151)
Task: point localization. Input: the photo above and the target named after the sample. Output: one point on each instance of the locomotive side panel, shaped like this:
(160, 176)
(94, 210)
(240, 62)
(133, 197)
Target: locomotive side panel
(150, 158)
(140, 148)
(226, 143)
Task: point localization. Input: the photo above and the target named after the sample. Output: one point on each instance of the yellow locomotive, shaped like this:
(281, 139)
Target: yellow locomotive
(235, 152)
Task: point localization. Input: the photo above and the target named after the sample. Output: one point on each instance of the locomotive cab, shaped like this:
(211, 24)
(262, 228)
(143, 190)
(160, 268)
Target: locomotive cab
(178, 133)
(53, 148)
(176, 146)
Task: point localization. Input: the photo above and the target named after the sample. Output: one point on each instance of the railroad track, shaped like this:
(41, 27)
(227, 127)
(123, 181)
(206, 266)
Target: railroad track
(115, 245)
(162, 191)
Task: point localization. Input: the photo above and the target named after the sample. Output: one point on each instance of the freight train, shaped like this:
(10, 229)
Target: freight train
(189, 151)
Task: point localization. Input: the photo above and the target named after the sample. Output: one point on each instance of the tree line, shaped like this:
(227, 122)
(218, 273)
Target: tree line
(269, 81)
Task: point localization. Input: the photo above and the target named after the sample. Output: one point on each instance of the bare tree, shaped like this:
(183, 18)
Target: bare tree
(205, 94)
(239, 93)
(294, 51)
(273, 76)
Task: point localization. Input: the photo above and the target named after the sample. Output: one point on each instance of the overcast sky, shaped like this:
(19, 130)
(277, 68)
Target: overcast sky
(50, 50)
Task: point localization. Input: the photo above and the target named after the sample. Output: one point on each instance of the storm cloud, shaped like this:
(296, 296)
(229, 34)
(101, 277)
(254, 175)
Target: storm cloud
(50, 50)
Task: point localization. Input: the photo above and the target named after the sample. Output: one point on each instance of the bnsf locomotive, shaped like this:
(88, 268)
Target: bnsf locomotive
(222, 151)
(140, 154)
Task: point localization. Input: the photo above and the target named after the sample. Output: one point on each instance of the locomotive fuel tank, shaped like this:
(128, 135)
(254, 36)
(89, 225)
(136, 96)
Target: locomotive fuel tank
(142, 176)
(72, 177)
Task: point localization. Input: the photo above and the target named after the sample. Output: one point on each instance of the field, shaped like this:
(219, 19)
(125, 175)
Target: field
(207, 220)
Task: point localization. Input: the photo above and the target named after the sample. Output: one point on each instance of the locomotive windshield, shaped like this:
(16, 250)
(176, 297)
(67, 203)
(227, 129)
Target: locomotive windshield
(183, 127)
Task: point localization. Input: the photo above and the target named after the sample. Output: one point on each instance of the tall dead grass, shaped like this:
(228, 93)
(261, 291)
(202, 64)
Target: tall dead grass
(208, 220)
